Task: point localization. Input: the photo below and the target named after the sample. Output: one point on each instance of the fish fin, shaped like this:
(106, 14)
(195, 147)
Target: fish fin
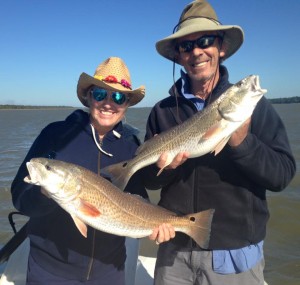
(160, 171)
(220, 145)
(200, 227)
(88, 209)
(119, 174)
(80, 225)
(168, 161)
(213, 130)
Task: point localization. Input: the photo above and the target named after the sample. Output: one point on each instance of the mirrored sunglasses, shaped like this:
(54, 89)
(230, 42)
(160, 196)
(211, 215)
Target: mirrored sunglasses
(100, 94)
(202, 42)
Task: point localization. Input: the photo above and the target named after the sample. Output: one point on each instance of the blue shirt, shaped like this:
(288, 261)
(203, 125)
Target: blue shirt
(234, 260)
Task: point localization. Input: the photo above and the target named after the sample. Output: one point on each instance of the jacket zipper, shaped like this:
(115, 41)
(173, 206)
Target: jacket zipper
(92, 257)
(195, 202)
(94, 231)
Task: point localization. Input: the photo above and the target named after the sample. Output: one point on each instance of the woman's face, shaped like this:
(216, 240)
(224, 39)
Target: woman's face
(105, 112)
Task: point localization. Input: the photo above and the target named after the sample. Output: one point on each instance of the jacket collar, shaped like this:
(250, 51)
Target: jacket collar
(221, 86)
(82, 118)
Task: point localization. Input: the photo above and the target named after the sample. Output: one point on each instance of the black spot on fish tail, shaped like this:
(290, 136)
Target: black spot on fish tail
(200, 227)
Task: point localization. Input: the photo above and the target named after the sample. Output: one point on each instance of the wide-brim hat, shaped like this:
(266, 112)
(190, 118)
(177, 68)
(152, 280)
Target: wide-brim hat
(199, 16)
(111, 74)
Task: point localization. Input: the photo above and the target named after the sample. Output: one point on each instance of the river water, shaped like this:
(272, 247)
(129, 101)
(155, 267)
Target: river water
(18, 129)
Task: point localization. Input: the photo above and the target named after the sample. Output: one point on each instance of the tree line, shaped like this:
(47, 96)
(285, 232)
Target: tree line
(23, 107)
(287, 100)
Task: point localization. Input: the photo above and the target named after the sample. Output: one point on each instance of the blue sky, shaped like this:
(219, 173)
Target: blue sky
(47, 44)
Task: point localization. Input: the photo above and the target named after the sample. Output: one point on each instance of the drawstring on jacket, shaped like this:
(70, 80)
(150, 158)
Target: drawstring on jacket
(96, 142)
(98, 145)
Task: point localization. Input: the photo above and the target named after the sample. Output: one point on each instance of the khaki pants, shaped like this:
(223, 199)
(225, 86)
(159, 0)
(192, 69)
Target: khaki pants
(195, 268)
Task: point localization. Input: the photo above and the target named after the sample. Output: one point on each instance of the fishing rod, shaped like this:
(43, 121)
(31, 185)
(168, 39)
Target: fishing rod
(15, 241)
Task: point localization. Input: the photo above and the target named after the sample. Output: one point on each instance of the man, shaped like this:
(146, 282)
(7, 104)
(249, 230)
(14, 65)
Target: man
(234, 182)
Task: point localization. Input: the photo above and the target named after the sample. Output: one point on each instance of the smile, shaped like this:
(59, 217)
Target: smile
(107, 113)
(200, 64)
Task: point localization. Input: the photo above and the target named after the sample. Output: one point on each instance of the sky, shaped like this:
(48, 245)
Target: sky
(46, 44)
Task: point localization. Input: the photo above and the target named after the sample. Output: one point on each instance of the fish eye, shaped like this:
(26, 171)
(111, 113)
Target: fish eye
(48, 167)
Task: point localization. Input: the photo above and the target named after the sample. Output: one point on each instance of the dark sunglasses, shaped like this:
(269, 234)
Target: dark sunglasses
(100, 94)
(202, 42)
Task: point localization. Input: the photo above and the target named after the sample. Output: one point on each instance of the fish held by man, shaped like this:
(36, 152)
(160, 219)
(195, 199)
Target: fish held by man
(205, 132)
(93, 200)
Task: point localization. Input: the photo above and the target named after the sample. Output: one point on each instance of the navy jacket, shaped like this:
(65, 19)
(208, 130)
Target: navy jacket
(234, 182)
(56, 243)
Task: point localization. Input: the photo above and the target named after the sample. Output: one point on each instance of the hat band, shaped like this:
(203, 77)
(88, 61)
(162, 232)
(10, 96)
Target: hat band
(113, 79)
(178, 26)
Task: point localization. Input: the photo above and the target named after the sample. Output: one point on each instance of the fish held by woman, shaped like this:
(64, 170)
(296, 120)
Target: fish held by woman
(94, 201)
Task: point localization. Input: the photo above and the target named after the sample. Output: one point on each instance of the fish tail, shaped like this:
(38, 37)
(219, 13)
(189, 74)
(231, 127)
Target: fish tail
(119, 174)
(200, 227)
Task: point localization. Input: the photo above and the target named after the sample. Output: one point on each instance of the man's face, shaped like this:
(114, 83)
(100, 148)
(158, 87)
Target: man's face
(200, 63)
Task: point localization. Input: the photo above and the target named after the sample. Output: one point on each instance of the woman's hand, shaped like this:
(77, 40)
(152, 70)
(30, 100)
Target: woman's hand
(163, 233)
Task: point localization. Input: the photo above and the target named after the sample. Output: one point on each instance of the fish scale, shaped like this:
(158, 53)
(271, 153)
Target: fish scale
(205, 132)
(94, 201)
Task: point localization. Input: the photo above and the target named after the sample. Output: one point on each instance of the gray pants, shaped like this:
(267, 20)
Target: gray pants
(195, 268)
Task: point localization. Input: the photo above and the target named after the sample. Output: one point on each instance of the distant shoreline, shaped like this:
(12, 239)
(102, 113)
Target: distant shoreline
(30, 107)
(289, 100)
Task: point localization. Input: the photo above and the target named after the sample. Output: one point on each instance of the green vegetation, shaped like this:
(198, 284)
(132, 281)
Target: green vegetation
(29, 107)
(285, 100)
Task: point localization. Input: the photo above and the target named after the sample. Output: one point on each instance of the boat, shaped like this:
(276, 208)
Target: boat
(139, 270)
(137, 273)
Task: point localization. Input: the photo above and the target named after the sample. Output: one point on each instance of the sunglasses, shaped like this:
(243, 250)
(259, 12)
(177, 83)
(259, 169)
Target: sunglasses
(100, 94)
(202, 42)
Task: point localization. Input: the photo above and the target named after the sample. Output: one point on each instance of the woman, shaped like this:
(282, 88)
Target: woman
(59, 254)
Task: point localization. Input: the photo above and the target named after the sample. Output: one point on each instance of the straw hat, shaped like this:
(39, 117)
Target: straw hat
(199, 16)
(111, 74)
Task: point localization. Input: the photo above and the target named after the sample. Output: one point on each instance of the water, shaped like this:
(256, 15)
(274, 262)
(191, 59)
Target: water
(18, 129)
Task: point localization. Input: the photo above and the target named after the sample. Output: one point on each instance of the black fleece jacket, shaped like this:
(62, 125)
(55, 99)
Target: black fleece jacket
(234, 182)
(56, 243)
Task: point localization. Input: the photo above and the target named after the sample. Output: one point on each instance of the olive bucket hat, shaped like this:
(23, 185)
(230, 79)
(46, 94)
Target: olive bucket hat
(111, 74)
(199, 16)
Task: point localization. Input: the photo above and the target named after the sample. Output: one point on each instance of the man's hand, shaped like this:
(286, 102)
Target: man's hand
(165, 163)
(240, 134)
